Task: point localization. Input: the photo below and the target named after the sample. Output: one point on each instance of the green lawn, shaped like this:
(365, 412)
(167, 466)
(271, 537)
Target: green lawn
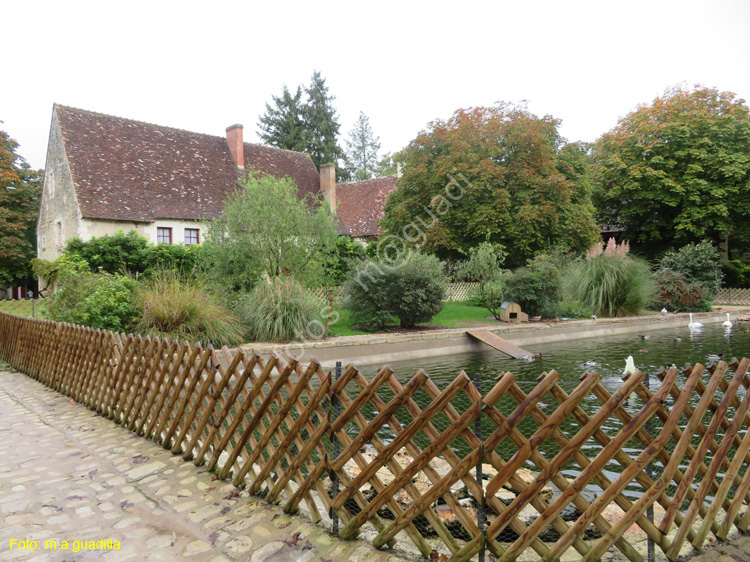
(24, 307)
(453, 315)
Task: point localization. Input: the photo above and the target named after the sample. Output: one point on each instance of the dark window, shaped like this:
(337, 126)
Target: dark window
(164, 235)
(192, 236)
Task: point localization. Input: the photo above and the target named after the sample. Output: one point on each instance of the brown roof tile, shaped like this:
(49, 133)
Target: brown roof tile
(135, 171)
(360, 204)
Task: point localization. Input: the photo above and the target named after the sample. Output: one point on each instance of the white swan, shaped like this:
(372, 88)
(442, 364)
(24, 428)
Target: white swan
(629, 366)
(694, 325)
(727, 323)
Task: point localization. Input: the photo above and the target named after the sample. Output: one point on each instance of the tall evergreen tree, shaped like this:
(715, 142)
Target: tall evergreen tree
(362, 148)
(283, 125)
(309, 126)
(321, 123)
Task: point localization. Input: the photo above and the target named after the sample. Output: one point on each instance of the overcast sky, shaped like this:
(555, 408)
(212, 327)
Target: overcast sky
(202, 66)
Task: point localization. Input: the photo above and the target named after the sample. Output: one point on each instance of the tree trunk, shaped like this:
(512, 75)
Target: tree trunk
(724, 249)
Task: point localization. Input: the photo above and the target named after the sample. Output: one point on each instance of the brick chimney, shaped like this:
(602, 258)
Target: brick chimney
(328, 184)
(236, 145)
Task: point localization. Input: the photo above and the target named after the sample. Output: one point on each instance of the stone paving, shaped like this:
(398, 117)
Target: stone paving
(75, 486)
(67, 474)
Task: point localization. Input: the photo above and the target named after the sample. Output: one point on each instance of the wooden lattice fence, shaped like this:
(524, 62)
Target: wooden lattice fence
(442, 468)
(733, 296)
(456, 292)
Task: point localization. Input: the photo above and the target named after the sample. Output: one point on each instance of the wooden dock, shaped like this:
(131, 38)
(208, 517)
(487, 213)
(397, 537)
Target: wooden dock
(496, 342)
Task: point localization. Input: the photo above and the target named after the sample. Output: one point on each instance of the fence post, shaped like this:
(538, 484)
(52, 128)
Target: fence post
(478, 433)
(649, 473)
(336, 445)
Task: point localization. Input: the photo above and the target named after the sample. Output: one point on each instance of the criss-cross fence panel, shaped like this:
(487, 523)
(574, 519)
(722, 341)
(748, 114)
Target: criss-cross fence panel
(733, 296)
(543, 467)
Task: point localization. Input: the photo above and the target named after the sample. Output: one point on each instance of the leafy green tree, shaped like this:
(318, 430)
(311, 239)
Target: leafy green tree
(266, 229)
(489, 173)
(484, 267)
(362, 148)
(20, 189)
(678, 170)
(283, 124)
(387, 165)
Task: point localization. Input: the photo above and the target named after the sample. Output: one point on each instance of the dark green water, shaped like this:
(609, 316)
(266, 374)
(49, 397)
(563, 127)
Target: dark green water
(569, 358)
(662, 348)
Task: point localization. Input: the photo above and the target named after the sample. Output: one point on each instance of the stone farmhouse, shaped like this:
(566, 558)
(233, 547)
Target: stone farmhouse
(104, 174)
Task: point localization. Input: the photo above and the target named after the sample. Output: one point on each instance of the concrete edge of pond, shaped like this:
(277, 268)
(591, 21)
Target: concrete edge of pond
(373, 349)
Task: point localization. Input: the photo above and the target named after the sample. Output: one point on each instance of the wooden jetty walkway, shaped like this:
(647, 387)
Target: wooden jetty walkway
(496, 342)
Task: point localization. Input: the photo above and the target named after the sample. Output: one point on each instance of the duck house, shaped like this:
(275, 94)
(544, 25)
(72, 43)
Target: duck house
(511, 312)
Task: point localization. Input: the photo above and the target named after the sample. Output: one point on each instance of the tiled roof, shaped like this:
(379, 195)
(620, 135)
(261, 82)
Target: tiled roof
(360, 204)
(134, 171)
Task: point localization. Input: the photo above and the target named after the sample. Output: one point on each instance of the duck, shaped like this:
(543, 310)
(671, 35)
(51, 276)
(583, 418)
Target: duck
(727, 323)
(644, 337)
(694, 325)
(629, 366)
(677, 339)
(664, 311)
(714, 357)
(591, 363)
(644, 350)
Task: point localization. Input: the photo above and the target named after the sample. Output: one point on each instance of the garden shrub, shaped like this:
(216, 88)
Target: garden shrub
(343, 259)
(675, 293)
(185, 308)
(610, 281)
(99, 300)
(536, 287)
(159, 257)
(112, 253)
(698, 263)
(411, 290)
(281, 310)
(574, 309)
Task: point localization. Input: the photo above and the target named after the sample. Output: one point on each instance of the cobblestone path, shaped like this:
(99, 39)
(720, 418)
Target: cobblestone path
(67, 474)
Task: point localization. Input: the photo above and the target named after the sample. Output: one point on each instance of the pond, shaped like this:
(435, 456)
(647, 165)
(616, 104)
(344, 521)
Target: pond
(657, 348)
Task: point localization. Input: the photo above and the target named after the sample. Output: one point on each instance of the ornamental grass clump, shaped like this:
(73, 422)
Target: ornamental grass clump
(610, 280)
(280, 310)
(183, 308)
